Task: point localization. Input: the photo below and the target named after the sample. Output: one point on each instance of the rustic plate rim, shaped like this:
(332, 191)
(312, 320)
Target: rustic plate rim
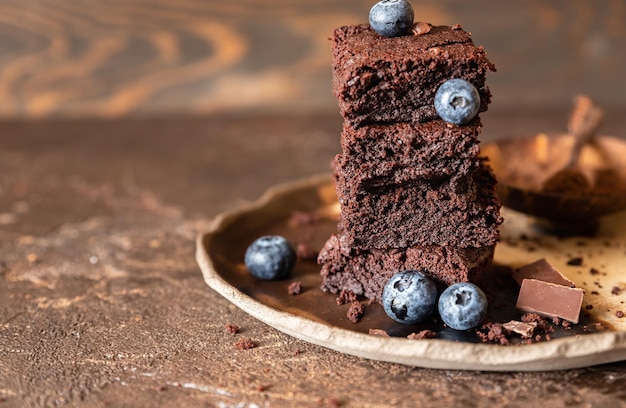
(563, 353)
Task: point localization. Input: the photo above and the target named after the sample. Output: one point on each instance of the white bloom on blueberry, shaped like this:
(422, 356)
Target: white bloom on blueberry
(462, 306)
(391, 18)
(270, 257)
(409, 297)
(457, 101)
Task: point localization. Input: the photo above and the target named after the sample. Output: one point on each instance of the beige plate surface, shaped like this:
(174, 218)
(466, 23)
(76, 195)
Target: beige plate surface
(315, 317)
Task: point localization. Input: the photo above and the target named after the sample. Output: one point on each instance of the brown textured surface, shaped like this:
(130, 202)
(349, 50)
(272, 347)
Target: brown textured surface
(68, 58)
(102, 303)
(381, 80)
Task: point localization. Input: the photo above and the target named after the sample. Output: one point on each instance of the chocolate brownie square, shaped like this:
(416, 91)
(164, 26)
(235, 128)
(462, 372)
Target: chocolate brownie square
(462, 211)
(376, 155)
(394, 79)
(365, 272)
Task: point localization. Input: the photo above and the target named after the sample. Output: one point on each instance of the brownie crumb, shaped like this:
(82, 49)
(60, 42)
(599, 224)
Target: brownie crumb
(424, 334)
(493, 333)
(619, 314)
(594, 271)
(616, 290)
(457, 27)
(589, 307)
(231, 329)
(305, 252)
(575, 261)
(595, 292)
(355, 311)
(543, 326)
(378, 332)
(294, 288)
(345, 296)
(245, 344)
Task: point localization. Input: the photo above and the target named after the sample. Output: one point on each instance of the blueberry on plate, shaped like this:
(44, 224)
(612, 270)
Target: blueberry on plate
(409, 297)
(457, 101)
(462, 306)
(391, 18)
(270, 257)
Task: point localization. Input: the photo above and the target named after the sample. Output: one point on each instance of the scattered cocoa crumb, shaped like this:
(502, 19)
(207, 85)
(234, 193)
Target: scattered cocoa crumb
(245, 344)
(594, 271)
(556, 321)
(420, 28)
(294, 288)
(355, 311)
(595, 292)
(616, 290)
(575, 261)
(619, 314)
(566, 325)
(589, 307)
(231, 329)
(378, 332)
(305, 252)
(493, 333)
(424, 334)
(345, 296)
(302, 218)
(543, 326)
(457, 27)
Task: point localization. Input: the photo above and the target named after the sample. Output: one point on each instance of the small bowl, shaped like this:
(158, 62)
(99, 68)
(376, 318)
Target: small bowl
(523, 164)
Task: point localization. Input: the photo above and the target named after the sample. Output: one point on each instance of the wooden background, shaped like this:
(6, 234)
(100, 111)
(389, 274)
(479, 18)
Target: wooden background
(108, 58)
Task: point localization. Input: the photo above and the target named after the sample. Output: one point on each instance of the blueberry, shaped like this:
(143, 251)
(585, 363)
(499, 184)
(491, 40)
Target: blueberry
(409, 297)
(462, 306)
(391, 18)
(457, 101)
(270, 257)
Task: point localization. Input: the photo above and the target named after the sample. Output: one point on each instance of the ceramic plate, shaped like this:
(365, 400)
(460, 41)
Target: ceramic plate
(306, 212)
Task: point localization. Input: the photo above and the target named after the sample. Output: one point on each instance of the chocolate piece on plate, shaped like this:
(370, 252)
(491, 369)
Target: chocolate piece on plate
(541, 270)
(523, 329)
(550, 300)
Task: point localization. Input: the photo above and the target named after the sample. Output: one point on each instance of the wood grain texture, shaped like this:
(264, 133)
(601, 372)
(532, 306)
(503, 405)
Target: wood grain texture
(73, 58)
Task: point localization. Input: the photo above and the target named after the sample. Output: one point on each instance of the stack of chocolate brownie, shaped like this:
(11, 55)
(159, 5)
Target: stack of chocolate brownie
(413, 191)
